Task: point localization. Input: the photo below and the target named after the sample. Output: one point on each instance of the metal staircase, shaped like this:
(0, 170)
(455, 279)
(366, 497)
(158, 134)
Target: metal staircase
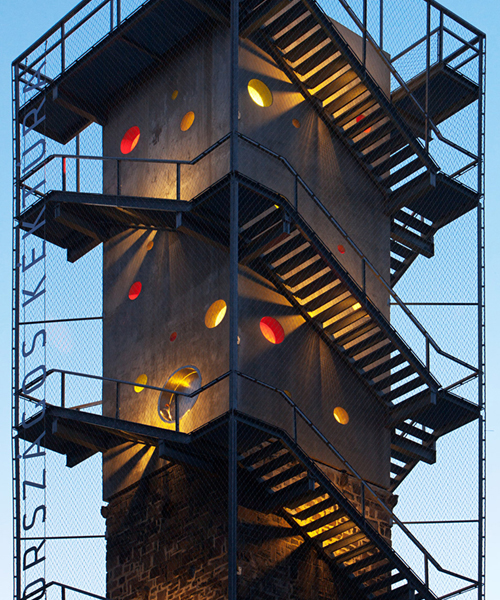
(277, 242)
(389, 135)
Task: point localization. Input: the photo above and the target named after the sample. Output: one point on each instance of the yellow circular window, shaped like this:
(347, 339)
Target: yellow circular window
(175, 93)
(215, 314)
(187, 120)
(341, 415)
(260, 93)
(140, 382)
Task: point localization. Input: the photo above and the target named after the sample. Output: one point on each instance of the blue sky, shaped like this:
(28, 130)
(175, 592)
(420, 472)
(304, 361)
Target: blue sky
(22, 23)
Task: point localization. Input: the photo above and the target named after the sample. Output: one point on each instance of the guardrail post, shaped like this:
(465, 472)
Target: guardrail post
(296, 193)
(427, 353)
(63, 593)
(365, 20)
(381, 25)
(426, 568)
(178, 192)
(294, 423)
(427, 75)
(176, 400)
(363, 274)
(111, 11)
(118, 178)
(63, 165)
(363, 503)
(63, 390)
(117, 407)
(441, 34)
(118, 12)
(63, 49)
(78, 163)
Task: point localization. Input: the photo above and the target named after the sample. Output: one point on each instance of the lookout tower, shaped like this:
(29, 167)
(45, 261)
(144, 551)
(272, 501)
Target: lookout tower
(257, 180)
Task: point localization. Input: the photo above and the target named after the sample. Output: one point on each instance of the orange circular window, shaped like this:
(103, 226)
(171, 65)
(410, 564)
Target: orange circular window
(135, 290)
(187, 120)
(215, 314)
(296, 123)
(130, 140)
(341, 415)
(150, 245)
(272, 330)
(140, 382)
(341, 249)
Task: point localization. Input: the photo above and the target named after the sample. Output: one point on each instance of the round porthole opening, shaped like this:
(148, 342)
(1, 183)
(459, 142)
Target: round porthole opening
(173, 336)
(175, 93)
(341, 249)
(150, 245)
(140, 382)
(272, 330)
(260, 93)
(341, 415)
(187, 380)
(187, 120)
(135, 290)
(296, 123)
(130, 140)
(215, 314)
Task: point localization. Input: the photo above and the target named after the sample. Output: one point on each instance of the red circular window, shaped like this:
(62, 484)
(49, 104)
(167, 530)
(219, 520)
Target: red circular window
(173, 336)
(130, 140)
(272, 330)
(360, 118)
(341, 249)
(135, 290)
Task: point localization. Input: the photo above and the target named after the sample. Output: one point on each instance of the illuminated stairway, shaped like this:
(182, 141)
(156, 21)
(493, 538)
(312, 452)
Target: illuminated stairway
(274, 476)
(278, 243)
(385, 134)
(301, 493)
(305, 271)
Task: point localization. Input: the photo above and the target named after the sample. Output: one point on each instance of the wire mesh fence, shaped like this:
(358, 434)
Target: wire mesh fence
(248, 302)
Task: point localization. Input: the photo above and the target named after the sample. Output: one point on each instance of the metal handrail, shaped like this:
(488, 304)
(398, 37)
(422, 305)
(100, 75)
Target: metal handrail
(365, 261)
(357, 250)
(296, 412)
(364, 483)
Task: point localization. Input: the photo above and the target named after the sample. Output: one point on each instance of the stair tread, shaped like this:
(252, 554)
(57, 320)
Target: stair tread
(328, 295)
(351, 95)
(375, 355)
(285, 19)
(335, 85)
(404, 172)
(345, 322)
(355, 111)
(404, 389)
(269, 467)
(294, 471)
(394, 378)
(324, 521)
(394, 160)
(295, 32)
(425, 436)
(376, 572)
(413, 222)
(389, 364)
(315, 509)
(388, 581)
(351, 554)
(328, 70)
(290, 262)
(367, 343)
(401, 250)
(261, 454)
(335, 531)
(316, 285)
(308, 497)
(311, 42)
(365, 562)
(304, 274)
(356, 537)
(365, 123)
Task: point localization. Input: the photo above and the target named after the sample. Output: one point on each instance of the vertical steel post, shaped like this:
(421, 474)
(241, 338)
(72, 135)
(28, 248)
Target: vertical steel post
(117, 401)
(365, 21)
(111, 11)
(381, 24)
(481, 333)
(233, 309)
(15, 382)
(118, 12)
(63, 49)
(441, 34)
(427, 75)
(178, 191)
(78, 163)
(63, 390)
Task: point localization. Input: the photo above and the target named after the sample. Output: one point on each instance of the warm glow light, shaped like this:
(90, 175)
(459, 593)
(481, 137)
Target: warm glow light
(187, 120)
(140, 381)
(260, 93)
(356, 306)
(215, 314)
(272, 330)
(341, 415)
(130, 140)
(185, 379)
(175, 93)
(150, 245)
(341, 249)
(135, 290)
(173, 336)
(296, 123)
